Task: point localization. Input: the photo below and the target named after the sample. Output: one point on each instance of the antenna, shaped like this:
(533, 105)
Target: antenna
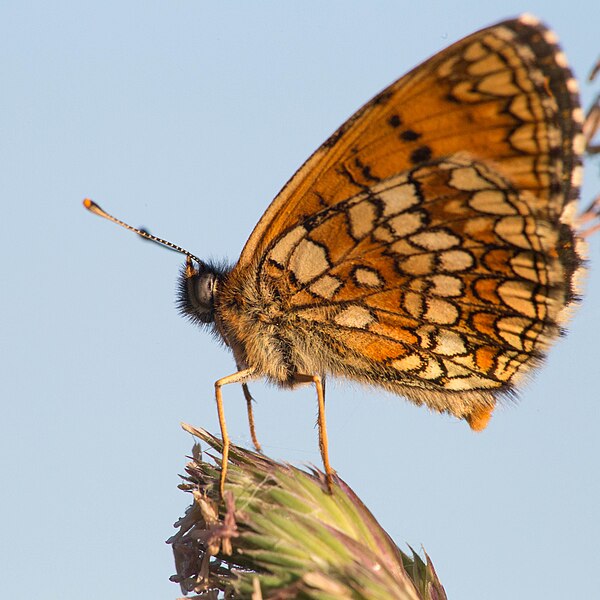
(94, 208)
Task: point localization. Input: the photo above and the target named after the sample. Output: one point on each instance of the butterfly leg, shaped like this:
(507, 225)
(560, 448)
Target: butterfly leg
(249, 401)
(321, 421)
(239, 377)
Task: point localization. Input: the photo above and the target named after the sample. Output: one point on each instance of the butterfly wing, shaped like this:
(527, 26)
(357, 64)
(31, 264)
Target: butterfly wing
(426, 246)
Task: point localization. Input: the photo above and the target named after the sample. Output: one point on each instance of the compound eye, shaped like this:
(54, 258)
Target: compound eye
(197, 290)
(205, 289)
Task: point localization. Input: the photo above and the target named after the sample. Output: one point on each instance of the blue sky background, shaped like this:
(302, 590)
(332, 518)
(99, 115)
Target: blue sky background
(187, 117)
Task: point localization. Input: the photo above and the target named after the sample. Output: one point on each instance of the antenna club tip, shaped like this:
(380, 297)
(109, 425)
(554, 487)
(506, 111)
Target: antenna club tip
(94, 208)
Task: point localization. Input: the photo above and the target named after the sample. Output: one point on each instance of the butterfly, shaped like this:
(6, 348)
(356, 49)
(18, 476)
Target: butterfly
(427, 247)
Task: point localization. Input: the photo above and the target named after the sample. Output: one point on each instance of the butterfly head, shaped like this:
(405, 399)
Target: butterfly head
(198, 285)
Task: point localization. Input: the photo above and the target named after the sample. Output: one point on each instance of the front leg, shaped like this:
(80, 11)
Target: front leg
(239, 377)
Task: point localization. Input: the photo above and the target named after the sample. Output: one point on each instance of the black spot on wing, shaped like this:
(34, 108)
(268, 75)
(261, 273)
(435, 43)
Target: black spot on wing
(408, 135)
(421, 154)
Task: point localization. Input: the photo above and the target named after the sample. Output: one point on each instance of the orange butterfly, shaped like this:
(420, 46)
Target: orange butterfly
(426, 247)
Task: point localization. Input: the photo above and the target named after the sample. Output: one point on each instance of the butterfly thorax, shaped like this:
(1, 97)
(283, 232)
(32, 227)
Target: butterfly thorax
(255, 321)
